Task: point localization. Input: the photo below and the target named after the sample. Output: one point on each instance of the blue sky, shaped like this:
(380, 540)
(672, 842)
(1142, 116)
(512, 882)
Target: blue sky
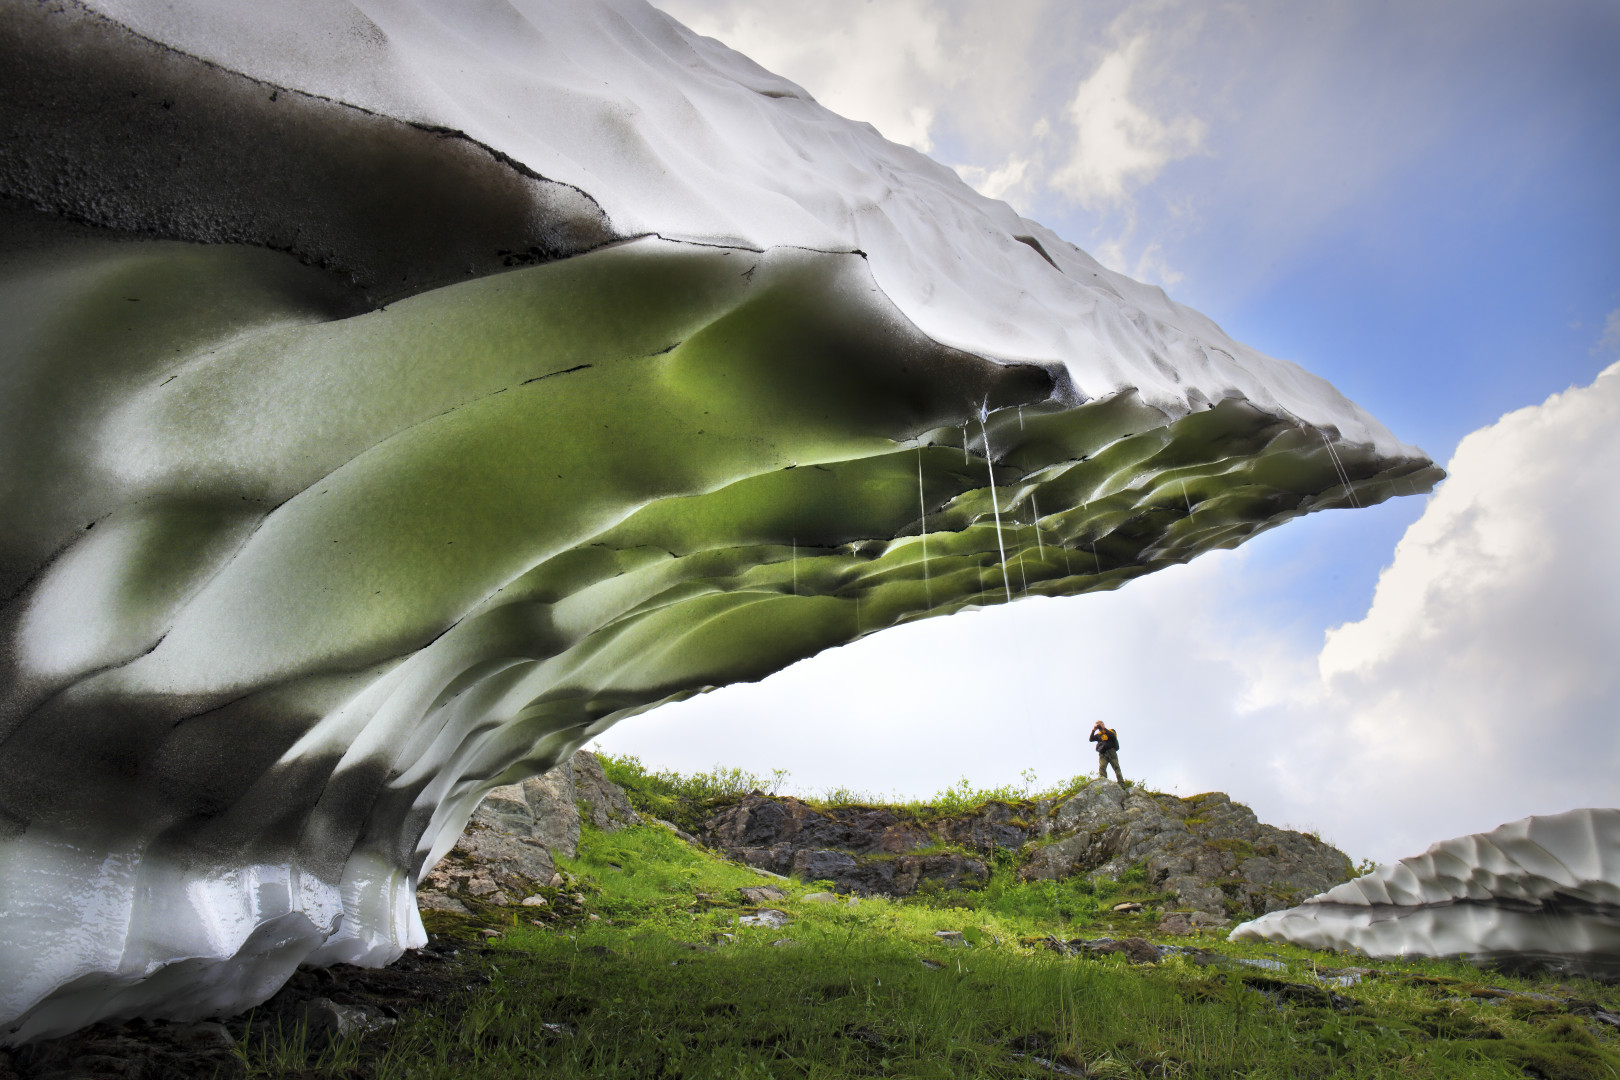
(1416, 201)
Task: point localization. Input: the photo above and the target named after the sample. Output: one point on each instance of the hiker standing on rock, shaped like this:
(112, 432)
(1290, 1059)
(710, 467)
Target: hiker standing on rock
(1107, 740)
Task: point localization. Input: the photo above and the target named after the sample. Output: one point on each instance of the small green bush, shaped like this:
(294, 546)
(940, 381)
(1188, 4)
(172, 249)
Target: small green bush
(684, 799)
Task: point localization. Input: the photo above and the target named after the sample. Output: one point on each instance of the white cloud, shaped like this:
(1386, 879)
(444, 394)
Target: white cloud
(1610, 339)
(1119, 145)
(998, 182)
(1484, 672)
(881, 63)
(1149, 263)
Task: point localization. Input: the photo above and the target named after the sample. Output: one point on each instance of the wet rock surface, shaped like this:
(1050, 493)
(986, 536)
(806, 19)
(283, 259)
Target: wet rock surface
(1212, 854)
(505, 855)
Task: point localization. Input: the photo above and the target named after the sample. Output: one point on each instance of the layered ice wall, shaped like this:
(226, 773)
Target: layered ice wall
(398, 394)
(1542, 891)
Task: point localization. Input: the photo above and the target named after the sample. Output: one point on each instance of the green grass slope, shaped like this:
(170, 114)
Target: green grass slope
(637, 967)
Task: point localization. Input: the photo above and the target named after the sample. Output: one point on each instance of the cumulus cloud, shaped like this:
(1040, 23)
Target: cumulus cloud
(1488, 654)
(1146, 264)
(1610, 339)
(1119, 144)
(998, 182)
(1480, 686)
(881, 63)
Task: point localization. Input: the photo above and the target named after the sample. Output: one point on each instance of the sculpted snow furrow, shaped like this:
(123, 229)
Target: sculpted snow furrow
(1542, 890)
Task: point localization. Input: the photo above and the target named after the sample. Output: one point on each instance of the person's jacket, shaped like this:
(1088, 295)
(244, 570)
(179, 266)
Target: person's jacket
(1106, 740)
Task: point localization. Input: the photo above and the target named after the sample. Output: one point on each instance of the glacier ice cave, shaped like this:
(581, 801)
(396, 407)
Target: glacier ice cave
(398, 393)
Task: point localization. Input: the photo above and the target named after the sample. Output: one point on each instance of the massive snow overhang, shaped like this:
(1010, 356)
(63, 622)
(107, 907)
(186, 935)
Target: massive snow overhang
(363, 447)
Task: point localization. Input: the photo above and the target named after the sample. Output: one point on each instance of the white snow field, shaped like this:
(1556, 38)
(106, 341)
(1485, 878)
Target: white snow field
(398, 394)
(1541, 891)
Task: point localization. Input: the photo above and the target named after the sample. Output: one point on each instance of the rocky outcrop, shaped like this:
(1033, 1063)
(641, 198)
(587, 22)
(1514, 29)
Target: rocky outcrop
(862, 849)
(1213, 855)
(505, 854)
(1209, 851)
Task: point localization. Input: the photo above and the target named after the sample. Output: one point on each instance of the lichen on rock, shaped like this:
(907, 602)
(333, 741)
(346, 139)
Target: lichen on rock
(1214, 854)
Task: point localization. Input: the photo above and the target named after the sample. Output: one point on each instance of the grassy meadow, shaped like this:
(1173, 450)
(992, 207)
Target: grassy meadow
(638, 968)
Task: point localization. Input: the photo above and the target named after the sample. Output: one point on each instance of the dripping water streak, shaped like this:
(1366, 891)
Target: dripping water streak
(1035, 510)
(995, 503)
(1338, 467)
(795, 566)
(922, 509)
(1018, 539)
(1186, 497)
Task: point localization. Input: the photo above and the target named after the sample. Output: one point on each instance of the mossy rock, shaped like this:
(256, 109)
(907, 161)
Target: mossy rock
(1240, 849)
(1563, 1050)
(451, 926)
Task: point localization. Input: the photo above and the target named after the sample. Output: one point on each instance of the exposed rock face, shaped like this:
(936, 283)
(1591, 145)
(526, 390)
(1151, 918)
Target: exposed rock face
(602, 801)
(860, 849)
(506, 851)
(1541, 892)
(1211, 852)
(351, 466)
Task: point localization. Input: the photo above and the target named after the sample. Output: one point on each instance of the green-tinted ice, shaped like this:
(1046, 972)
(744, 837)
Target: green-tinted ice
(291, 590)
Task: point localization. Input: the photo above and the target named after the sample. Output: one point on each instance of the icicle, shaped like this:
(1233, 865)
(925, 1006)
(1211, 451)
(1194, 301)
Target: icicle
(1035, 508)
(1018, 539)
(1185, 496)
(995, 504)
(1338, 466)
(922, 509)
